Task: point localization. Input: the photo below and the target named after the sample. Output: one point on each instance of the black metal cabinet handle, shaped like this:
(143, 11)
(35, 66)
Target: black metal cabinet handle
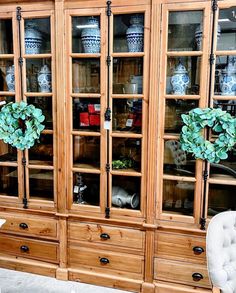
(104, 260)
(24, 248)
(198, 250)
(197, 277)
(105, 236)
(23, 225)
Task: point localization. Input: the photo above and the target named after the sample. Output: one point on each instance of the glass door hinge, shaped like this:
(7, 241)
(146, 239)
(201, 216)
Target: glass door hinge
(108, 8)
(107, 212)
(212, 59)
(205, 175)
(214, 5)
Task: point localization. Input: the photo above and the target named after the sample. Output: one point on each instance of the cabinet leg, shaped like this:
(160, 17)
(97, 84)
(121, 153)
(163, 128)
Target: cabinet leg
(62, 274)
(148, 288)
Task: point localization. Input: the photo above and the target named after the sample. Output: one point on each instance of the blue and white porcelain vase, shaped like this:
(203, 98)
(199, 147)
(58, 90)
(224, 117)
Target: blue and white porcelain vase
(10, 78)
(198, 36)
(180, 80)
(33, 39)
(135, 34)
(91, 37)
(44, 79)
(228, 79)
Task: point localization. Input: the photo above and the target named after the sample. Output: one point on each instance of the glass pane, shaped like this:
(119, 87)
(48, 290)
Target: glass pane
(128, 33)
(126, 154)
(86, 188)
(6, 33)
(176, 161)
(185, 31)
(127, 75)
(86, 75)
(6, 99)
(38, 75)
(86, 114)
(86, 152)
(183, 75)
(86, 35)
(7, 152)
(226, 105)
(9, 181)
(42, 152)
(37, 36)
(126, 192)
(226, 169)
(127, 115)
(45, 104)
(225, 76)
(178, 197)
(173, 111)
(7, 75)
(41, 184)
(226, 35)
(221, 198)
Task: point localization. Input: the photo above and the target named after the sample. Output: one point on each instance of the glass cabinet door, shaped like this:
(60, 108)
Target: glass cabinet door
(221, 183)
(86, 102)
(10, 169)
(129, 110)
(39, 90)
(183, 88)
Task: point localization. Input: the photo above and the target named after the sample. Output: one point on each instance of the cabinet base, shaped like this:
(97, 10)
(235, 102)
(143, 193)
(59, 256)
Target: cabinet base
(62, 274)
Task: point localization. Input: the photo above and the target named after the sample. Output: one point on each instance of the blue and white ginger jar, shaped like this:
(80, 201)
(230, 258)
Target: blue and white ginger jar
(135, 34)
(90, 36)
(10, 78)
(33, 39)
(180, 80)
(198, 35)
(228, 80)
(44, 79)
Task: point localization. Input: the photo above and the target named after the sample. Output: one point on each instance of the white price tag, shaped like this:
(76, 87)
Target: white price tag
(97, 107)
(1, 104)
(76, 189)
(129, 122)
(107, 125)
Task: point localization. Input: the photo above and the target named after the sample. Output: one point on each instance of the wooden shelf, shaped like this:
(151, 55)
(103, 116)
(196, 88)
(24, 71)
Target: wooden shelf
(85, 55)
(126, 172)
(128, 54)
(86, 168)
(126, 134)
(37, 56)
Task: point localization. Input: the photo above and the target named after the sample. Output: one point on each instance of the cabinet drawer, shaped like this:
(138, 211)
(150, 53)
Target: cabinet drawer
(180, 272)
(34, 226)
(107, 234)
(29, 248)
(81, 256)
(180, 247)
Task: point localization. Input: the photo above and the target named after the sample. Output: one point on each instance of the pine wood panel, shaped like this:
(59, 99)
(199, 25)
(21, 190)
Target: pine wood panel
(179, 247)
(118, 236)
(40, 250)
(180, 272)
(173, 288)
(36, 226)
(82, 256)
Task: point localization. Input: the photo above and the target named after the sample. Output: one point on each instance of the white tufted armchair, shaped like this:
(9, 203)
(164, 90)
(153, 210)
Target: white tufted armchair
(221, 252)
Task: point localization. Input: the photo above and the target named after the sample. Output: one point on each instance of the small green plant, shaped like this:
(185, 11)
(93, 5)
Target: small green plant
(20, 124)
(124, 163)
(192, 140)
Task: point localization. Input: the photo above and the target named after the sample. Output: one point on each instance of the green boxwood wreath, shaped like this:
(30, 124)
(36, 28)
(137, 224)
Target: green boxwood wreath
(192, 140)
(20, 124)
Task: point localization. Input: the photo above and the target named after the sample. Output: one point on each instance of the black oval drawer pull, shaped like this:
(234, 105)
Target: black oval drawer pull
(23, 225)
(105, 236)
(24, 248)
(104, 260)
(198, 250)
(197, 277)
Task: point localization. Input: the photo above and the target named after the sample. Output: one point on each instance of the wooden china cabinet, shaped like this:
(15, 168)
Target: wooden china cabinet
(107, 196)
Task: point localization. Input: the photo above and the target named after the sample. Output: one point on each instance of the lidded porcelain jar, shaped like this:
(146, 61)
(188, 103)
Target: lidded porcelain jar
(121, 198)
(90, 36)
(10, 78)
(180, 80)
(198, 35)
(135, 33)
(228, 79)
(44, 79)
(33, 39)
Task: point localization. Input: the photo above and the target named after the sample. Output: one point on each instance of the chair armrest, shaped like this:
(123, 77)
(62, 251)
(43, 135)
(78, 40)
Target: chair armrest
(215, 290)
